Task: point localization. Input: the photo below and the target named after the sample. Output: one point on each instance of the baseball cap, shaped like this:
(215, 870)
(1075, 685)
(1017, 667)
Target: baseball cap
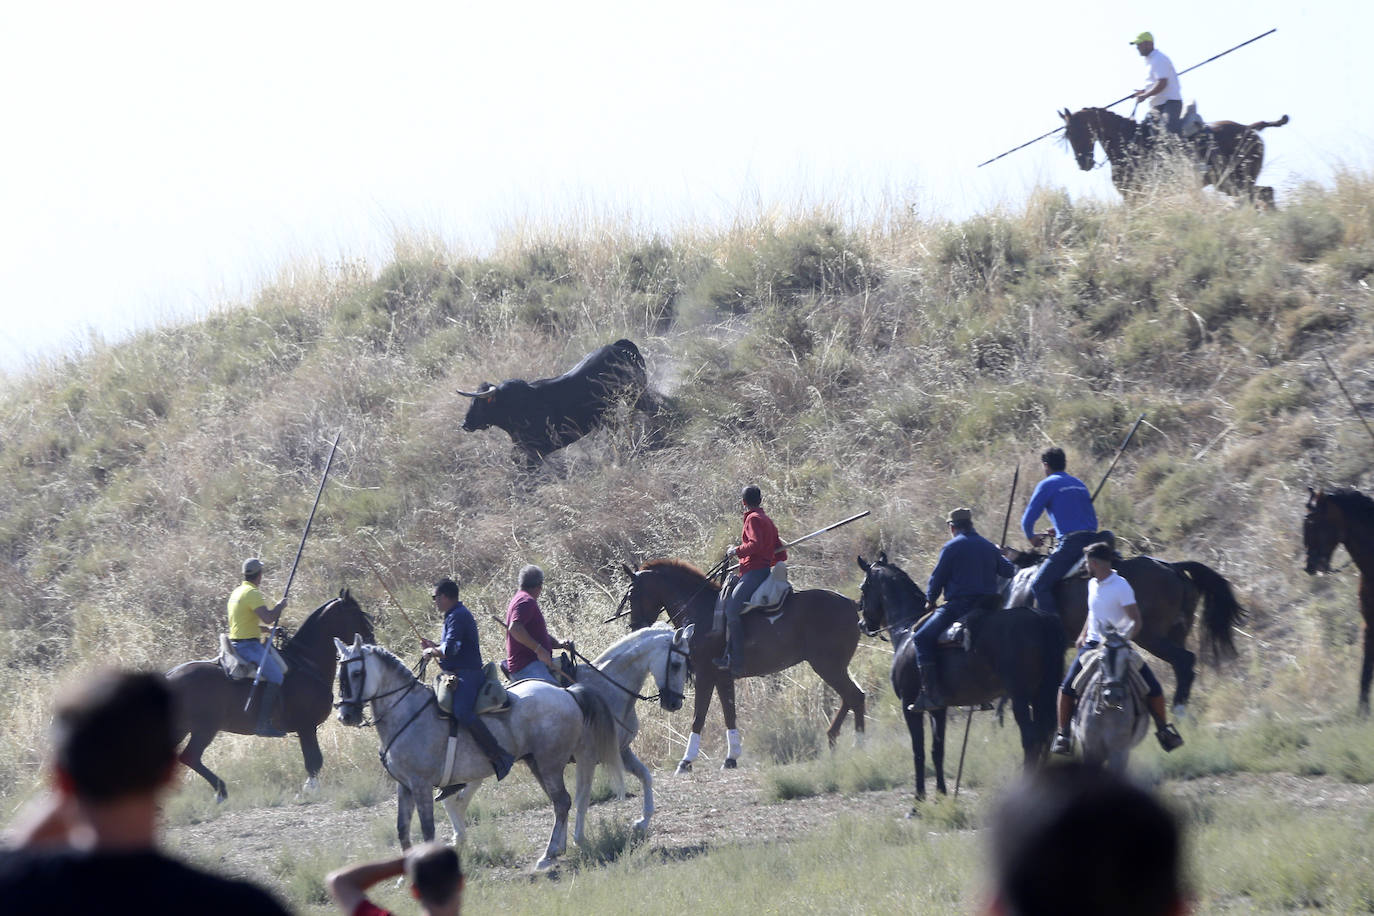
(1142, 38)
(251, 567)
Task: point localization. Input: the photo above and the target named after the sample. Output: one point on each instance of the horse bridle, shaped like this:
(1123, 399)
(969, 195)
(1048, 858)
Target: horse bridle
(667, 670)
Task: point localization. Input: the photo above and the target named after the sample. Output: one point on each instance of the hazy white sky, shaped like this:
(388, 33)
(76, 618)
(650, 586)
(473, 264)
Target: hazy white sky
(161, 159)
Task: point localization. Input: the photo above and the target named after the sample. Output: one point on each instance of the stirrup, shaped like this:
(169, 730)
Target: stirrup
(1169, 738)
(449, 790)
(924, 703)
(1063, 745)
(723, 663)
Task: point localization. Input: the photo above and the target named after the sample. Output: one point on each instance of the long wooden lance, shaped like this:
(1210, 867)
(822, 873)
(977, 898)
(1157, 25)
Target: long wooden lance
(1131, 96)
(818, 531)
(1351, 401)
(378, 573)
(1125, 442)
(1011, 500)
(271, 633)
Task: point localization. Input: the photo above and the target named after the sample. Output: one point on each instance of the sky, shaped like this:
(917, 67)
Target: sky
(163, 160)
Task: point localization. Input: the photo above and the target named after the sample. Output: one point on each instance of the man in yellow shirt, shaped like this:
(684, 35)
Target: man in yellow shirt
(249, 617)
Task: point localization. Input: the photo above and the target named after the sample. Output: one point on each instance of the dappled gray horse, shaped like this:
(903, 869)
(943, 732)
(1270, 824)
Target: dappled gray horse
(616, 676)
(1111, 717)
(545, 726)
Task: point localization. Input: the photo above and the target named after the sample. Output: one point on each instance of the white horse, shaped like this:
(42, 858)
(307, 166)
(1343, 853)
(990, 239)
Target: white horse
(1112, 716)
(545, 726)
(616, 676)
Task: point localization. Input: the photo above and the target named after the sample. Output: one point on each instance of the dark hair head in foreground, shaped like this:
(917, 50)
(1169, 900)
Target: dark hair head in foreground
(434, 872)
(115, 734)
(1075, 841)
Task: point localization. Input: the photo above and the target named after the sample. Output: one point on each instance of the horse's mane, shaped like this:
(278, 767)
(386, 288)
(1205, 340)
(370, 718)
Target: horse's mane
(306, 631)
(387, 654)
(633, 635)
(668, 564)
(903, 579)
(1353, 502)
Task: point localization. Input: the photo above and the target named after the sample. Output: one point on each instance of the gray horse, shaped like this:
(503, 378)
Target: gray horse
(616, 676)
(545, 726)
(1111, 717)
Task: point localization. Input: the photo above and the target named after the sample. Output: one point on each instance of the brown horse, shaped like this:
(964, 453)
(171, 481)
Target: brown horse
(1345, 517)
(1231, 153)
(816, 626)
(212, 703)
(1168, 595)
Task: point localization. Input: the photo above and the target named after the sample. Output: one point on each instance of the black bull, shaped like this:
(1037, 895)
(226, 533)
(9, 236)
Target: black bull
(547, 414)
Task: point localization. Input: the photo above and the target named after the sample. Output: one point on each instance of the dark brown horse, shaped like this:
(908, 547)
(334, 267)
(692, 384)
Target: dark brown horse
(816, 626)
(1017, 654)
(1345, 517)
(1232, 154)
(212, 703)
(1167, 595)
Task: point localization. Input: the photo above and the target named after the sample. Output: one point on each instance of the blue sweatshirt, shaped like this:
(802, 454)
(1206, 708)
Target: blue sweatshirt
(1068, 502)
(462, 651)
(969, 565)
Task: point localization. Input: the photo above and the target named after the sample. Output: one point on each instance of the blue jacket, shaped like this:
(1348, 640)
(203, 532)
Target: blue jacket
(462, 651)
(968, 567)
(1068, 502)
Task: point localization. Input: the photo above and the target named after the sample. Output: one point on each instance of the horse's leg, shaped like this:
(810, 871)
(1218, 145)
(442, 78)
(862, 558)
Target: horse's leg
(1030, 732)
(190, 755)
(456, 806)
(636, 767)
(937, 748)
(915, 725)
(310, 752)
(424, 806)
(582, 795)
(1181, 660)
(701, 705)
(1367, 663)
(851, 698)
(725, 689)
(557, 791)
(404, 804)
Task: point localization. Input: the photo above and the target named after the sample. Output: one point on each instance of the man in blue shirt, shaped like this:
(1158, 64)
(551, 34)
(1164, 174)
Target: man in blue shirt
(966, 574)
(1070, 507)
(460, 655)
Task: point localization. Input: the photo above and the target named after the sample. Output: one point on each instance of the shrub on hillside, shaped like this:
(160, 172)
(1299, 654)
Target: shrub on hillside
(1308, 229)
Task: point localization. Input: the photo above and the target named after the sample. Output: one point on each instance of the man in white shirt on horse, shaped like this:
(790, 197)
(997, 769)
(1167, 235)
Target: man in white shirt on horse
(1111, 604)
(1163, 92)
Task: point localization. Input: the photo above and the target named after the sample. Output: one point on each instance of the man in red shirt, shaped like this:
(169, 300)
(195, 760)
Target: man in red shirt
(529, 647)
(759, 549)
(433, 870)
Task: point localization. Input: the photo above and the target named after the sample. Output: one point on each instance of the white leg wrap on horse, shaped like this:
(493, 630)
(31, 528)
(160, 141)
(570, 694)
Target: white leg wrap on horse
(733, 742)
(693, 746)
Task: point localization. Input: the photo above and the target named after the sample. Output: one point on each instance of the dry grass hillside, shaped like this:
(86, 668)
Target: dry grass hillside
(900, 366)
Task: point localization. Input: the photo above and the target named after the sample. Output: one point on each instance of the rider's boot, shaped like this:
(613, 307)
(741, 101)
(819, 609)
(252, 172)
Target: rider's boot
(930, 696)
(1063, 739)
(1168, 736)
(268, 702)
(501, 759)
(732, 660)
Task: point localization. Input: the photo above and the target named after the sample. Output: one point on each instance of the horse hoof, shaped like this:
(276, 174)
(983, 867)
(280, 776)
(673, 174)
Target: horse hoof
(683, 768)
(546, 863)
(913, 814)
(641, 826)
(221, 797)
(312, 785)
(1180, 711)
(729, 764)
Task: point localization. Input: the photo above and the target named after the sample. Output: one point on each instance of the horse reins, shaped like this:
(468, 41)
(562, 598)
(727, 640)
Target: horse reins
(672, 650)
(403, 689)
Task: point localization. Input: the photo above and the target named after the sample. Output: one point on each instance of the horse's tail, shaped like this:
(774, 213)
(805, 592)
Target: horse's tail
(1261, 125)
(600, 739)
(1220, 609)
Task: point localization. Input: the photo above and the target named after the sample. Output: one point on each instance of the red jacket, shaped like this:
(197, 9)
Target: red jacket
(760, 545)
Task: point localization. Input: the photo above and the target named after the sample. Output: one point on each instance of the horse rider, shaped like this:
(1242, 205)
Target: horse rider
(1070, 507)
(1111, 603)
(249, 619)
(966, 574)
(1166, 99)
(460, 654)
(529, 647)
(759, 550)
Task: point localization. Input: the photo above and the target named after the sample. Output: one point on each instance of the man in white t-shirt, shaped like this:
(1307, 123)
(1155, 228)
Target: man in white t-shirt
(1111, 604)
(1166, 98)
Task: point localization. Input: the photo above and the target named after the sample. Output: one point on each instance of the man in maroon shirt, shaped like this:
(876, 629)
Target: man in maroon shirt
(529, 647)
(759, 549)
(433, 870)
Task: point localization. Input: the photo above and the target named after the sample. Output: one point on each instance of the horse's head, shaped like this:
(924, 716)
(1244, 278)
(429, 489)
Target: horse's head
(888, 598)
(643, 610)
(1078, 128)
(1116, 659)
(1323, 529)
(672, 681)
(353, 664)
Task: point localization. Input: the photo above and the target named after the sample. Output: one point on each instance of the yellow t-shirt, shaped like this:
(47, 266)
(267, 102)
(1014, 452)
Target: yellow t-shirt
(243, 619)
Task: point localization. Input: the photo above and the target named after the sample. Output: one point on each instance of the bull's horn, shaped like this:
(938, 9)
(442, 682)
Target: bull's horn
(483, 393)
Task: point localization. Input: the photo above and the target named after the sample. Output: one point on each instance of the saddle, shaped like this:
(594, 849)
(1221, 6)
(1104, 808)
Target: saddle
(769, 597)
(959, 634)
(1191, 123)
(237, 668)
(1079, 570)
(492, 696)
